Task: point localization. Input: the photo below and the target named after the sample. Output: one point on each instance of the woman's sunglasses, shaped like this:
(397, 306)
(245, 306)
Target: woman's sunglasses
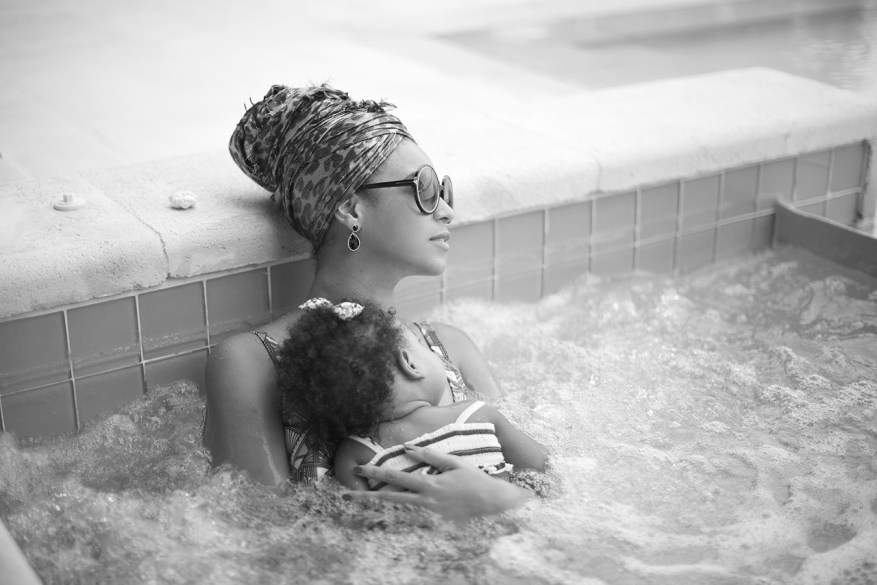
(427, 189)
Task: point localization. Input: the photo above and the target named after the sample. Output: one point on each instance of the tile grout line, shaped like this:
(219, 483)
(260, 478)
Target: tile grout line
(719, 208)
(494, 267)
(112, 370)
(206, 313)
(828, 182)
(142, 364)
(863, 178)
(637, 227)
(758, 174)
(591, 229)
(270, 297)
(545, 227)
(679, 217)
(76, 421)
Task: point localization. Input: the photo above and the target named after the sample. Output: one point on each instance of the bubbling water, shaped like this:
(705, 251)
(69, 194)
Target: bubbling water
(718, 429)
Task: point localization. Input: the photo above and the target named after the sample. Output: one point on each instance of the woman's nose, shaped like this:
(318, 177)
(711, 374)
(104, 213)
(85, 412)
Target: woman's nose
(444, 212)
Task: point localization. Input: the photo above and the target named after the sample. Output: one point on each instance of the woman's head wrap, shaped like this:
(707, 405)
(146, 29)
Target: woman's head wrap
(312, 147)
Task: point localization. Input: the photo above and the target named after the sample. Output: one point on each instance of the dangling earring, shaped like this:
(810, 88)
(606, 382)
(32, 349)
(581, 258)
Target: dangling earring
(353, 240)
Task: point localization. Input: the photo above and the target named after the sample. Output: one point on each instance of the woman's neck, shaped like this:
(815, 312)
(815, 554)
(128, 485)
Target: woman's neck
(347, 281)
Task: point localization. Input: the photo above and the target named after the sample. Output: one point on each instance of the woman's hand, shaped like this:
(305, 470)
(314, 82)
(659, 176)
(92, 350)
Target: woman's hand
(460, 492)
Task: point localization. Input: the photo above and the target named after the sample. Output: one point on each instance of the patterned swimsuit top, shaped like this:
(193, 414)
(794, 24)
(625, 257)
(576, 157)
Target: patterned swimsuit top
(309, 457)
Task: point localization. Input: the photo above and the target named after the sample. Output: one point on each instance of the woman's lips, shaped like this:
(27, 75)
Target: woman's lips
(442, 240)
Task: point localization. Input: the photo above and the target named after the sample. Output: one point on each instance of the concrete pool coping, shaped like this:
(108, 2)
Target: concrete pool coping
(517, 156)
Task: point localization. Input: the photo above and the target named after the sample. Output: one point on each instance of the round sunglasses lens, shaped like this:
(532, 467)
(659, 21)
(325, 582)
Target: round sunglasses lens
(428, 189)
(448, 190)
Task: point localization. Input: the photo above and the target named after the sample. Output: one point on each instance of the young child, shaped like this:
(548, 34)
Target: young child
(370, 385)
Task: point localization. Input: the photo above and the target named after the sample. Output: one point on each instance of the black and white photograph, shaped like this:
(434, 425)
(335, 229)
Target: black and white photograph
(459, 292)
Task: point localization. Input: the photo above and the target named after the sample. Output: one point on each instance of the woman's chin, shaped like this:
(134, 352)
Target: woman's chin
(435, 267)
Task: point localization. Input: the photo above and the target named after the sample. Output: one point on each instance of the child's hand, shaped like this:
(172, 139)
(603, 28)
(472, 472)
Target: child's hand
(460, 492)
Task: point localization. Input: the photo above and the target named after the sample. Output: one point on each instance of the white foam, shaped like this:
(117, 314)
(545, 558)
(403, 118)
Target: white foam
(687, 445)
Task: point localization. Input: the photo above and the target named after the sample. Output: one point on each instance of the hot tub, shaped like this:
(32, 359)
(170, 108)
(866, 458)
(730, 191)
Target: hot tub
(713, 389)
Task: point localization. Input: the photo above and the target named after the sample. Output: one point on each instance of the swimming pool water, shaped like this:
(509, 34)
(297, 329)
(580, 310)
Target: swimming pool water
(832, 41)
(718, 429)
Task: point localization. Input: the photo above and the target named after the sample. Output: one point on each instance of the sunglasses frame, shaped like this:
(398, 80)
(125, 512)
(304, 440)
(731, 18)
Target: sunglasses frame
(414, 182)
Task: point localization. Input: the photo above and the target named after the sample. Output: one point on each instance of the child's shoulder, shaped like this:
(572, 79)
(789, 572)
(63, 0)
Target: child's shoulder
(442, 415)
(349, 454)
(355, 450)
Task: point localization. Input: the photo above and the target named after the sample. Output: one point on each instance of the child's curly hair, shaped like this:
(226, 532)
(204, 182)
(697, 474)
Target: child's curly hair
(338, 374)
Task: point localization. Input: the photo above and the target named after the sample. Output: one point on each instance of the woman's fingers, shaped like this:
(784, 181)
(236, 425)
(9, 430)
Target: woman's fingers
(415, 482)
(441, 461)
(459, 493)
(410, 481)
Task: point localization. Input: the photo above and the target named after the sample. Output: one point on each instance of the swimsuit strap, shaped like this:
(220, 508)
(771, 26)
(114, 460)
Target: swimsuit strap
(462, 418)
(470, 410)
(459, 390)
(367, 441)
(271, 346)
(432, 338)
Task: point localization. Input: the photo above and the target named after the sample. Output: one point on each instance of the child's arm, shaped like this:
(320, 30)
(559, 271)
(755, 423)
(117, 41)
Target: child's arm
(518, 448)
(348, 455)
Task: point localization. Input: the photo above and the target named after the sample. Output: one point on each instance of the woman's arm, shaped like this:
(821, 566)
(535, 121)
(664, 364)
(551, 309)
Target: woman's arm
(244, 425)
(460, 492)
(466, 355)
(518, 448)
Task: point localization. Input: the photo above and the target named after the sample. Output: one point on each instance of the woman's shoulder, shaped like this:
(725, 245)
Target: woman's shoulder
(278, 329)
(237, 366)
(246, 347)
(274, 332)
(243, 423)
(237, 343)
(251, 349)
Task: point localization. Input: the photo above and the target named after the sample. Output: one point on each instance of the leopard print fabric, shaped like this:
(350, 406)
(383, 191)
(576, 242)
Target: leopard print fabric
(312, 147)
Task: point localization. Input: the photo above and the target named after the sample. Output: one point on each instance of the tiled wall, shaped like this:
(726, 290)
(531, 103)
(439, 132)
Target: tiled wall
(677, 226)
(64, 367)
(58, 369)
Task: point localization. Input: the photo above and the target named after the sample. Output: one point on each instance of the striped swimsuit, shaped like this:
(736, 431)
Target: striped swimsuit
(309, 457)
(474, 441)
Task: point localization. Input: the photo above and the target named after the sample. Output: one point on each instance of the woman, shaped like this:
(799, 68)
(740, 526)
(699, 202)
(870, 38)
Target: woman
(348, 177)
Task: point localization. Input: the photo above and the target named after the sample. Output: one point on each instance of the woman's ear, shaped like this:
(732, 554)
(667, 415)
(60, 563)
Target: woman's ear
(408, 368)
(350, 211)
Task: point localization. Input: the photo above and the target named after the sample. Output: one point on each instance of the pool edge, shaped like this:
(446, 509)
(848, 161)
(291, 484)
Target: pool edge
(826, 238)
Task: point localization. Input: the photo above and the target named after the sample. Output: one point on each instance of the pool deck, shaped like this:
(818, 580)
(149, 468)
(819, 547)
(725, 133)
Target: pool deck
(124, 106)
(99, 84)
